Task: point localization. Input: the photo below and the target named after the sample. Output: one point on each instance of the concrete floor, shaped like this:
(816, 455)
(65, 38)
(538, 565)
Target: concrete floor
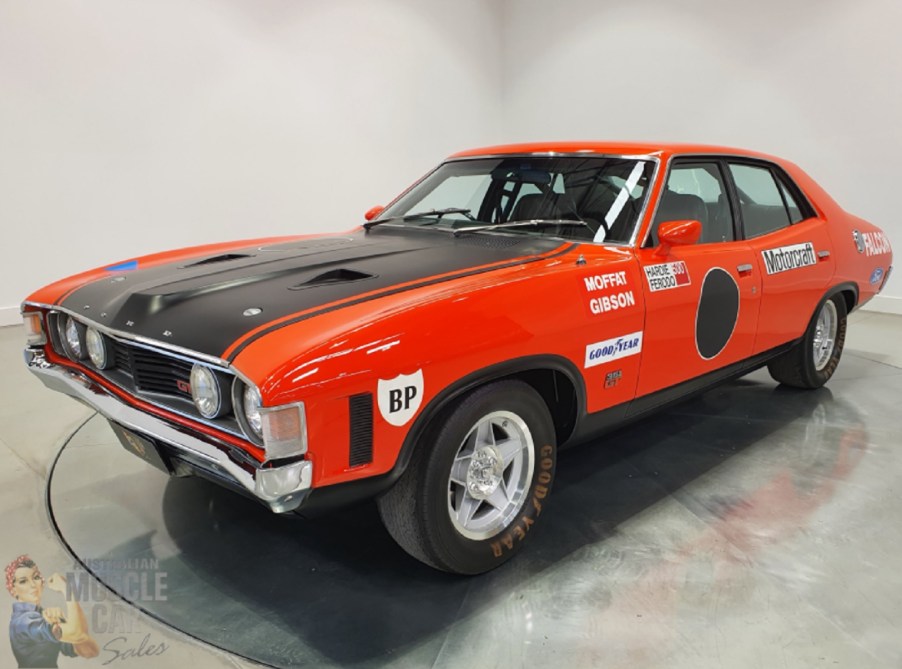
(753, 526)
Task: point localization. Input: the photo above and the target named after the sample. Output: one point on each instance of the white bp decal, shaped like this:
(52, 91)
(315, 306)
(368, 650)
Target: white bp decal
(400, 397)
(785, 258)
(613, 349)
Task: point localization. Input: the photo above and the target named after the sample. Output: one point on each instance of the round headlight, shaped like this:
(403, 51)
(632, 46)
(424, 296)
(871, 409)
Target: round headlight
(74, 339)
(251, 405)
(205, 392)
(98, 349)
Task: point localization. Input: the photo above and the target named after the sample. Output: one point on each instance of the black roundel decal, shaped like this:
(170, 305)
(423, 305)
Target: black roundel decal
(718, 310)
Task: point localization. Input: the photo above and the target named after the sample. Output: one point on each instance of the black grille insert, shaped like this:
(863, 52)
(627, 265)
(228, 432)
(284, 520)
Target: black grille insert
(361, 412)
(154, 372)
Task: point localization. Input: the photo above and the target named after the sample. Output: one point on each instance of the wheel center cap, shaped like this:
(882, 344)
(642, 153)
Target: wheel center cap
(484, 473)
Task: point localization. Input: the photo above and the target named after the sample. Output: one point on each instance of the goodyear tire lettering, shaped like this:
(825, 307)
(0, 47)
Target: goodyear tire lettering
(522, 525)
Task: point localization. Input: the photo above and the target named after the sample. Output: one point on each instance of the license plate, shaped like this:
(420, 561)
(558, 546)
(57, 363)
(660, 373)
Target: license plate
(143, 447)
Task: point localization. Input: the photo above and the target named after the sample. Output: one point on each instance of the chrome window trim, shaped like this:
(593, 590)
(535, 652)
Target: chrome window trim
(727, 157)
(649, 157)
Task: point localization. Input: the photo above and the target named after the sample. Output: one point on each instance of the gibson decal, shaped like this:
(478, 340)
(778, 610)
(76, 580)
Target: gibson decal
(612, 301)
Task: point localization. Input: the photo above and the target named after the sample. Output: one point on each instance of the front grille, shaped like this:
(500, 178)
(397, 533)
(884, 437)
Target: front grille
(154, 375)
(157, 373)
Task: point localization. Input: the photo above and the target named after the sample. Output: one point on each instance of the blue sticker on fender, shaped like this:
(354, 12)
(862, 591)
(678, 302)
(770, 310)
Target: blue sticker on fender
(123, 267)
(876, 275)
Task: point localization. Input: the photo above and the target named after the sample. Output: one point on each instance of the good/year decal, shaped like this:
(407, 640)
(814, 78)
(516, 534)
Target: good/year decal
(667, 275)
(613, 298)
(613, 349)
(785, 258)
(400, 397)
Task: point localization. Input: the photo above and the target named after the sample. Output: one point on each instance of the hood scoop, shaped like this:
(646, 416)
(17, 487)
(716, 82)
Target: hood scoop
(333, 276)
(215, 259)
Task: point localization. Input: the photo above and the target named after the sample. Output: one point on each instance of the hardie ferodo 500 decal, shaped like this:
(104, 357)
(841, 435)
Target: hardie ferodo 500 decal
(785, 258)
(667, 275)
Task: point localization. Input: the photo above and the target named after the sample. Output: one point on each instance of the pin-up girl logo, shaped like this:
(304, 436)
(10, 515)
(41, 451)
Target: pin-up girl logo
(37, 634)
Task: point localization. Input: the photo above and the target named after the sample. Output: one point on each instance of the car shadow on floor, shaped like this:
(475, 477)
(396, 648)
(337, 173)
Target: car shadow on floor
(285, 590)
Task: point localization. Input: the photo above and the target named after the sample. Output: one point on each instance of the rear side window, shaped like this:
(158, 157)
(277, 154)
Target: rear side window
(766, 201)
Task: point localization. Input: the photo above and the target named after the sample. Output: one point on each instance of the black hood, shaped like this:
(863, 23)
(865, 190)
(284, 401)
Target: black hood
(201, 304)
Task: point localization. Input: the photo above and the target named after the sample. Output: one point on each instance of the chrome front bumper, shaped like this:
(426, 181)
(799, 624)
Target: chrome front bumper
(282, 488)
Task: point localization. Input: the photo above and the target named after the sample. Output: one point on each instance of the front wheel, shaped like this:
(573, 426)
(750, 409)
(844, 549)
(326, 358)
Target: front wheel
(812, 361)
(475, 487)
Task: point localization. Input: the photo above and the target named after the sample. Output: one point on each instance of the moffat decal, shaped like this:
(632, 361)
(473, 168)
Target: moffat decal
(400, 397)
(612, 300)
(785, 258)
(667, 275)
(613, 349)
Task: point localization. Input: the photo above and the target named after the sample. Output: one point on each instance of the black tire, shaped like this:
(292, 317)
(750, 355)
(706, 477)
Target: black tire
(796, 367)
(417, 510)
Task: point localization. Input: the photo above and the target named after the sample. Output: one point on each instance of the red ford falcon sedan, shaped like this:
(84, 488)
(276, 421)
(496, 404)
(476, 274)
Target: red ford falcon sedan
(515, 300)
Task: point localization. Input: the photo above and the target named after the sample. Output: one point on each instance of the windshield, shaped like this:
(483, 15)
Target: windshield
(585, 198)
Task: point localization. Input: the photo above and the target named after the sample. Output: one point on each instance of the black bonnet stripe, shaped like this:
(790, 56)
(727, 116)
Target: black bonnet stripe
(297, 319)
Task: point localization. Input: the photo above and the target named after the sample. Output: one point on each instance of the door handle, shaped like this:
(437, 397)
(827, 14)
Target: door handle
(744, 269)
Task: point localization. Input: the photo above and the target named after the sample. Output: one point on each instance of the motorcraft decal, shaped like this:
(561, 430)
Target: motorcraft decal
(400, 397)
(785, 258)
(612, 300)
(613, 349)
(667, 275)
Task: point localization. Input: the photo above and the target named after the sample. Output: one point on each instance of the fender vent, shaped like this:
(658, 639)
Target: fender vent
(223, 258)
(341, 275)
(361, 413)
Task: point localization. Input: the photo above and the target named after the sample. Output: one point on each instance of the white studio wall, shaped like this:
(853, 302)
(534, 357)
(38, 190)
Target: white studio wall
(129, 127)
(813, 81)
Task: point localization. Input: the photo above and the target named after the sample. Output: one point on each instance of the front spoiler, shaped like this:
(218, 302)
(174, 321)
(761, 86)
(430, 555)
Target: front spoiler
(282, 488)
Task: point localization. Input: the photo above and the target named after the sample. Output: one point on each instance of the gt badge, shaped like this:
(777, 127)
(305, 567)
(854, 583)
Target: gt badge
(859, 240)
(400, 397)
(612, 378)
(667, 275)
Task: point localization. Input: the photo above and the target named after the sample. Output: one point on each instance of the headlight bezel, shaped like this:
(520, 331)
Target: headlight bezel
(239, 388)
(205, 376)
(109, 358)
(283, 429)
(72, 326)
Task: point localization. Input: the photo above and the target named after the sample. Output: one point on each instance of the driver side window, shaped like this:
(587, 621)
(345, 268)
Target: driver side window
(696, 191)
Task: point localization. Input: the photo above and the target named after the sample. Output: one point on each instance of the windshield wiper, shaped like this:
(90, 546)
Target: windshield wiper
(535, 222)
(438, 213)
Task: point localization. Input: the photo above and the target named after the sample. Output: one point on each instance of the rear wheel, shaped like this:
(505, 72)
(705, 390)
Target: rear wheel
(812, 361)
(475, 487)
